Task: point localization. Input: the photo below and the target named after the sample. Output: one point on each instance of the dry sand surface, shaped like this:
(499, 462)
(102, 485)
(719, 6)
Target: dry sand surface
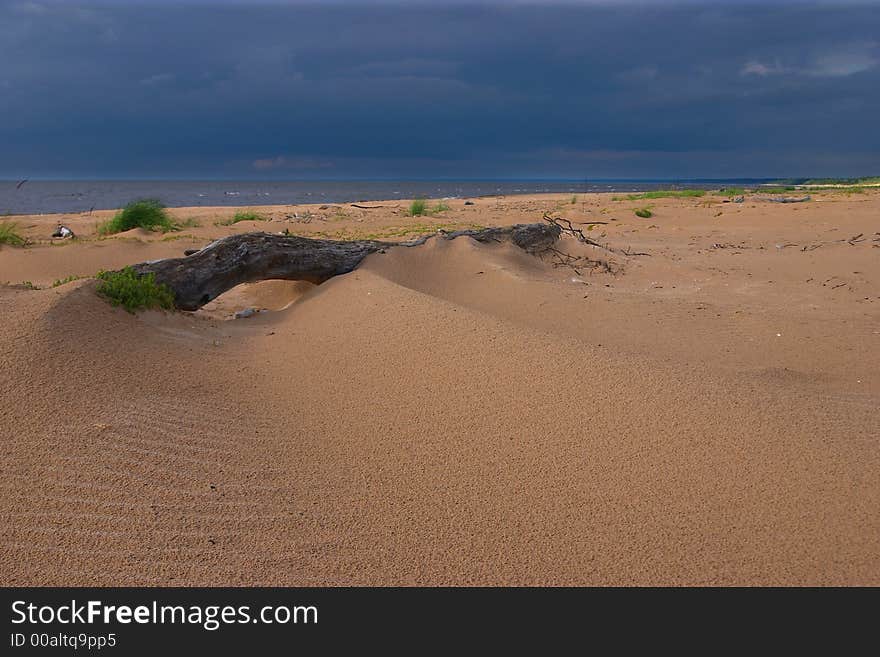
(457, 413)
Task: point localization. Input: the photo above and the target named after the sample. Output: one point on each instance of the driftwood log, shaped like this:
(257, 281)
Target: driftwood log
(250, 257)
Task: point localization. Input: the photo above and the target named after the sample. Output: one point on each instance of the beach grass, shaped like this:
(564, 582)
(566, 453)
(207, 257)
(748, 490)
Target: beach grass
(418, 208)
(149, 214)
(10, 235)
(644, 213)
(242, 215)
(133, 292)
(662, 193)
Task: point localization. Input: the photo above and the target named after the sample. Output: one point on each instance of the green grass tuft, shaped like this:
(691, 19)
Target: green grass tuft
(247, 215)
(243, 215)
(663, 193)
(9, 234)
(574, 199)
(125, 288)
(148, 214)
(644, 213)
(418, 208)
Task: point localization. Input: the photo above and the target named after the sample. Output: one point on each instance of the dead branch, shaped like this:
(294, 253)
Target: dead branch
(565, 226)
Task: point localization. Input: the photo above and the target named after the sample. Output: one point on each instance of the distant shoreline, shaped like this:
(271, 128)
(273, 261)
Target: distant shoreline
(76, 196)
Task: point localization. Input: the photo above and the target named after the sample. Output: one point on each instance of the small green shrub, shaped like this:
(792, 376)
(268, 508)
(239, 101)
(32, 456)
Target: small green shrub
(442, 206)
(418, 208)
(9, 234)
(148, 214)
(644, 213)
(574, 199)
(133, 292)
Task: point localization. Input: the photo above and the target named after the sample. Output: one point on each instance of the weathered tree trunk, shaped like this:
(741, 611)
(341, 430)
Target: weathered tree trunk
(227, 262)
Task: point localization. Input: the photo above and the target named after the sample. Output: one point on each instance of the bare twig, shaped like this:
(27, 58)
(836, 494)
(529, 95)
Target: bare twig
(567, 227)
(856, 239)
(574, 262)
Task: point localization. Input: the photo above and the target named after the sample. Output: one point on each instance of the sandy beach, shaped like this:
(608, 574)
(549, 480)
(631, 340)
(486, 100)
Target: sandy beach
(705, 413)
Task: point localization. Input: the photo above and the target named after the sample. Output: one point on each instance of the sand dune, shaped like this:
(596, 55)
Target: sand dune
(260, 296)
(459, 413)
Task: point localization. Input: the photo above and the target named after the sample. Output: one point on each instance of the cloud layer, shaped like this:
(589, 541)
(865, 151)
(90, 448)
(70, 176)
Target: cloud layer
(362, 89)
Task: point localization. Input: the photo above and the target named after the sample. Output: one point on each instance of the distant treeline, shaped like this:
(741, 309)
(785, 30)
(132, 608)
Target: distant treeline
(868, 180)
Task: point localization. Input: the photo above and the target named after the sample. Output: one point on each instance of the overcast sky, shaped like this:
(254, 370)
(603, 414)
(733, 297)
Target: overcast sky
(438, 89)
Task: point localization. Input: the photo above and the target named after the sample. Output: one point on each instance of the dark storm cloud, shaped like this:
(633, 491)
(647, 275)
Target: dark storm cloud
(423, 89)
